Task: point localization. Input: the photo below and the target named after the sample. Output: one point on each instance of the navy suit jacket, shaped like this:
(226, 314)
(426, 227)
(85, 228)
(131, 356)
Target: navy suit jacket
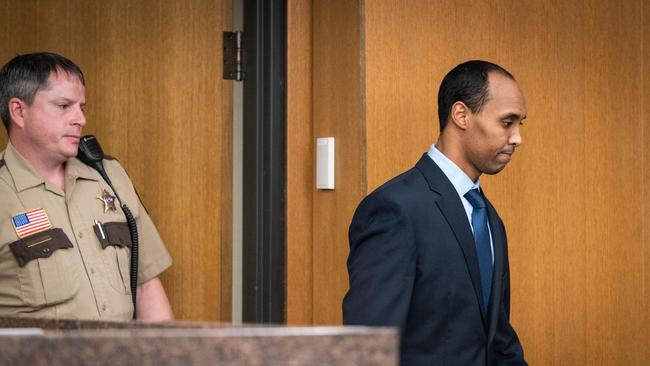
(413, 265)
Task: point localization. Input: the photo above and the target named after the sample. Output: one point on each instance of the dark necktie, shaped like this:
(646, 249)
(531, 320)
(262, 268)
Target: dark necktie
(482, 241)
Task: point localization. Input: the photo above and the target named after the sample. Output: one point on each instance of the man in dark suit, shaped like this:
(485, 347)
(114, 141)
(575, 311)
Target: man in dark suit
(428, 252)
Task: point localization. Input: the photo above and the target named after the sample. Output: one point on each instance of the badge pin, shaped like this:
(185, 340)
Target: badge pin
(108, 200)
(31, 222)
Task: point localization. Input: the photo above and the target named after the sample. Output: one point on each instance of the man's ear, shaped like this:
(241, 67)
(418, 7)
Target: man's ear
(17, 111)
(460, 115)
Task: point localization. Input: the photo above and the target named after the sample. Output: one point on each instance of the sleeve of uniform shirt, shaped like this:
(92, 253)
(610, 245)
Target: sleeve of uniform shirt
(153, 257)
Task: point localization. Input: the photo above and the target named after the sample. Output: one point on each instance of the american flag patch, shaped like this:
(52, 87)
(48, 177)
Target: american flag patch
(31, 222)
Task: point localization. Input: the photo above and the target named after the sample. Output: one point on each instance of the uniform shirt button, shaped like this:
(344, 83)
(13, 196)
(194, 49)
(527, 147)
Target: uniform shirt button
(81, 234)
(104, 307)
(92, 271)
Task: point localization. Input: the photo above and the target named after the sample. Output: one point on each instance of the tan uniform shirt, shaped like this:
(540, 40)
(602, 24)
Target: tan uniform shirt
(67, 273)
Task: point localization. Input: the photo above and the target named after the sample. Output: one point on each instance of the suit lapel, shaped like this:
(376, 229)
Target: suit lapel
(452, 209)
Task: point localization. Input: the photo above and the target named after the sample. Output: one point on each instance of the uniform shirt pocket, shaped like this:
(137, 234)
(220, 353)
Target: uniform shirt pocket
(41, 245)
(116, 244)
(45, 276)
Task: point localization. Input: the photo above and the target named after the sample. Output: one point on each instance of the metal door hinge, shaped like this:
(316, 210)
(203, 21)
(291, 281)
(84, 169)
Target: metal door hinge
(233, 45)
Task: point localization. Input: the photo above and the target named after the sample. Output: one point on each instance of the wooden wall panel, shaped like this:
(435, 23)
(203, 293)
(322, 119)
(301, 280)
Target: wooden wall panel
(156, 101)
(614, 241)
(300, 166)
(645, 291)
(337, 111)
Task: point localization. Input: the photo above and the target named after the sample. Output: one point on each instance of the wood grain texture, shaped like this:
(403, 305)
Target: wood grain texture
(155, 98)
(337, 113)
(300, 166)
(614, 242)
(645, 291)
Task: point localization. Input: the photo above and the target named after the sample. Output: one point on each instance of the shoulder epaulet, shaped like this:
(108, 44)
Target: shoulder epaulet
(109, 157)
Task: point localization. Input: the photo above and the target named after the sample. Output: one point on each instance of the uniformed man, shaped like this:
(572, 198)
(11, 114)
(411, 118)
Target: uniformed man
(64, 241)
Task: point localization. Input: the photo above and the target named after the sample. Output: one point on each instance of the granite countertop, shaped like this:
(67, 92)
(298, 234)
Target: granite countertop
(73, 342)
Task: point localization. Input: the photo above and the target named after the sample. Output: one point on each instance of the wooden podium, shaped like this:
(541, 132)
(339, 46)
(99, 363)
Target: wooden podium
(33, 341)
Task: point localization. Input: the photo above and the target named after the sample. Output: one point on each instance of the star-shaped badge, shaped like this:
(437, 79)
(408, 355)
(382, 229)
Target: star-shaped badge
(109, 201)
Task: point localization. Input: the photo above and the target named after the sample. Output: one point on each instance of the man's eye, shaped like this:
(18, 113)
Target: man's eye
(64, 106)
(506, 123)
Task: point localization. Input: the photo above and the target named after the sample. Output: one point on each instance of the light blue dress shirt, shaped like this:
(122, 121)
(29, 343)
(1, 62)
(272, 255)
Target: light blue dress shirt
(461, 182)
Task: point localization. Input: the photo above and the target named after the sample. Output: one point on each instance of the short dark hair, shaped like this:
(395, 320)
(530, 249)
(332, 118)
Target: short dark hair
(467, 83)
(25, 75)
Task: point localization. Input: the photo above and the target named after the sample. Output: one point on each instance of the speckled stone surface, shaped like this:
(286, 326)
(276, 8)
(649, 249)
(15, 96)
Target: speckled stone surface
(68, 342)
(76, 324)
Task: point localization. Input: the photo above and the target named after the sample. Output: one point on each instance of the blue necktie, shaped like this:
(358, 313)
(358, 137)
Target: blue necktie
(482, 241)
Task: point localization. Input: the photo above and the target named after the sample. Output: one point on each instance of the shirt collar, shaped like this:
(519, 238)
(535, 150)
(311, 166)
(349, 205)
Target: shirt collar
(21, 170)
(25, 176)
(75, 168)
(461, 182)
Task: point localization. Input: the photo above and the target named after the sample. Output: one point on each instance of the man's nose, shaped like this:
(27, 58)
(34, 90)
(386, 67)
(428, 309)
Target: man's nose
(515, 137)
(80, 118)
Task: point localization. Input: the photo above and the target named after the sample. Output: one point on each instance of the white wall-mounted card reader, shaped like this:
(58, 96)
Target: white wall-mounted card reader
(325, 163)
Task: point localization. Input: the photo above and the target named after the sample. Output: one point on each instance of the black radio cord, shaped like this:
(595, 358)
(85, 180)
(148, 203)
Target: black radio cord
(133, 230)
